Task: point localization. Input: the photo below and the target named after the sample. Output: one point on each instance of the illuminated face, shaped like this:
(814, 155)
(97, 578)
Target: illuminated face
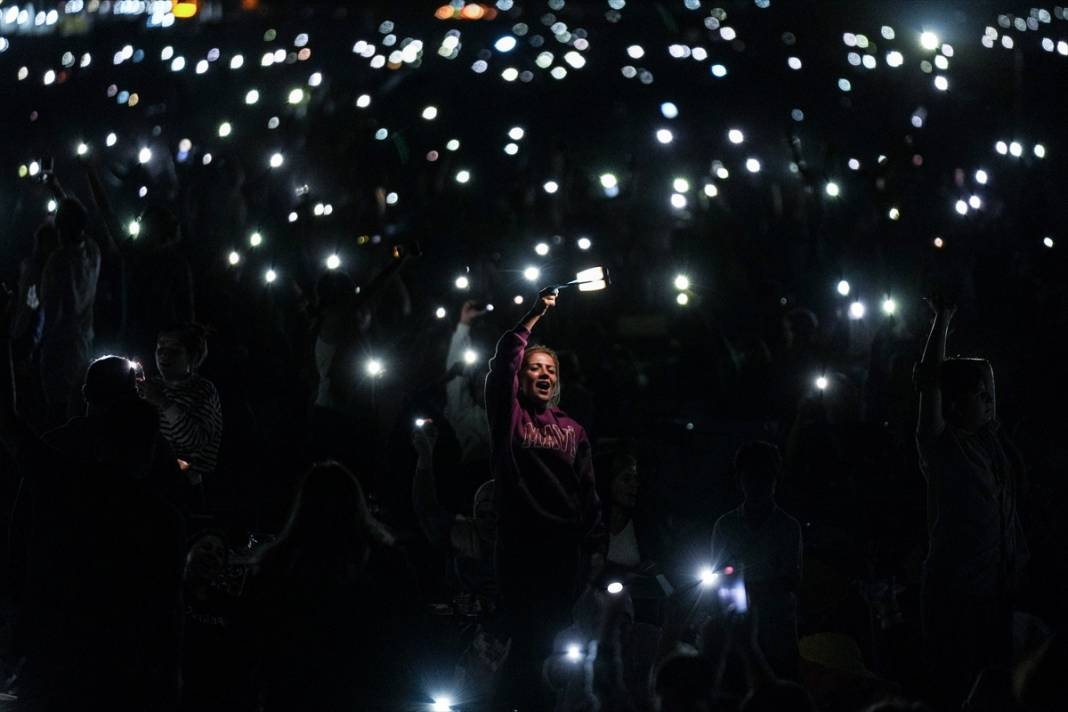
(172, 358)
(538, 378)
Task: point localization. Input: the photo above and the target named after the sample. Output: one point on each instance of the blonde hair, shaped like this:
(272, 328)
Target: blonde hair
(554, 401)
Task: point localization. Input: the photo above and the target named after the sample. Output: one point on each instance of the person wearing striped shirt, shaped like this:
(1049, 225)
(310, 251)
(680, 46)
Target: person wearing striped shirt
(190, 415)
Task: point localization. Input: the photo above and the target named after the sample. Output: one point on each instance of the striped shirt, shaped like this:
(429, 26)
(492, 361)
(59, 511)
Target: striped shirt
(191, 421)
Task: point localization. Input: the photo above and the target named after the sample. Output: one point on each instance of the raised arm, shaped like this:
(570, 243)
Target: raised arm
(928, 371)
(401, 255)
(501, 382)
(113, 235)
(433, 519)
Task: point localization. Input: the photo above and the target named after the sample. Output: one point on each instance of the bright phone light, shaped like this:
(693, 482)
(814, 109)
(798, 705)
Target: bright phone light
(270, 276)
(420, 422)
(144, 155)
(857, 310)
(574, 652)
(440, 312)
(442, 704)
(531, 274)
(682, 299)
(682, 282)
(333, 262)
(541, 249)
(462, 282)
(470, 357)
(821, 383)
(82, 149)
(615, 587)
(255, 239)
(233, 258)
(929, 41)
(590, 275)
(707, 576)
(277, 159)
(889, 306)
(375, 368)
(584, 243)
(843, 288)
(831, 189)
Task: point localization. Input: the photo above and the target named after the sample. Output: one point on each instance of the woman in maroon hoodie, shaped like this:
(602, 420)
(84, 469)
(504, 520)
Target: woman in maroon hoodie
(549, 515)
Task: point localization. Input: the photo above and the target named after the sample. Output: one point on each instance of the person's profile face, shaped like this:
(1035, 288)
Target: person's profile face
(976, 408)
(624, 488)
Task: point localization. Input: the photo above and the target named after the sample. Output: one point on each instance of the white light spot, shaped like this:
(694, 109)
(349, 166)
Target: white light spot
(678, 201)
(682, 282)
(144, 155)
(664, 136)
(462, 282)
(856, 310)
(894, 59)
(752, 165)
(542, 249)
(430, 113)
(682, 299)
(252, 96)
(463, 176)
(584, 243)
(929, 41)
(831, 189)
(550, 187)
(270, 276)
(1016, 149)
(843, 288)
(531, 274)
(961, 207)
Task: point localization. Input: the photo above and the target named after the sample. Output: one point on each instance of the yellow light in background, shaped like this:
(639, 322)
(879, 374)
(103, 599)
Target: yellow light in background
(184, 10)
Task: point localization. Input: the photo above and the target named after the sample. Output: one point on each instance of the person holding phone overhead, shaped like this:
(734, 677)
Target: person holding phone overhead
(549, 516)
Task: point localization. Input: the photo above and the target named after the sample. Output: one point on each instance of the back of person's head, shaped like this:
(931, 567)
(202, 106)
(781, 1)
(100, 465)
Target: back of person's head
(684, 683)
(45, 240)
(110, 380)
(330, 518)
(158, 226)
(71, 220)
(130, 437)
(334, 288)
(193, 337)
(779, 696)
(961, 377)
(758, 465)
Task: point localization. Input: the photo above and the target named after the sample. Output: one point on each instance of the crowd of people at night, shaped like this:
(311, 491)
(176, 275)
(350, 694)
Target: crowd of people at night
(332, 428)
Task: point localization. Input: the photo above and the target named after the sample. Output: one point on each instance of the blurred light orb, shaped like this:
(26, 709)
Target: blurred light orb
(845, 85)
(682, 282)
(843, 288)
(541, 249)
(574, 653)
(255, 239)
(821, 383)
(752, 165)
(794, 63)
(854, 164)
(707, 576)
(550, 186)
(270, 276)
(735, 136)
(895, 58)
(517, 299)
(293, 216)
(144, 155)
(889, 306)
(635, 52)
(511, 148)
(893, 214)
(929, 41)
(664, 136)
(1001, 147)
(1015, 149)
(463, 176)
(277, 159)
(470, 356)
(831, 189)
(975, 202)
(333, 262)
(531, 274)
(252, 97)
(711, 190)
(296, 96)
(961, 207)
(225, 129)
(440, 312)
(718, 71)
(516, 133)
(681, 185)
(682, 299)
(452, 145)
(1039, 151)
(237, 61)
(1047, 241)
(374, 369)
(669, 110)
(941, 83)
(430, 113)
(678, 201)
(981, 177)
(134, 228)
(939, 242)
(857, 310)
(608, 181)
(462, 282)
(505, 44)
(83, 149)
(233, 258)
(111, 140)
(583, 243)
(363, 101)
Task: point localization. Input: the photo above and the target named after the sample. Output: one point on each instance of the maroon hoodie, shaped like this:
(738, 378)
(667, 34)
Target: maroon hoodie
(541, 458)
